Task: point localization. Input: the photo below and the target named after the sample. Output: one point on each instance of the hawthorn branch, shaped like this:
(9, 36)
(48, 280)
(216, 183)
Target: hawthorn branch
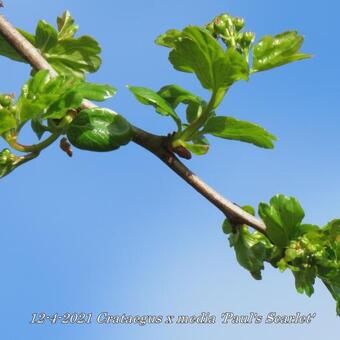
(151, 142)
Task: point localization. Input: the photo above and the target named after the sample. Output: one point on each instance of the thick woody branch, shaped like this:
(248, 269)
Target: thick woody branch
(153, 143)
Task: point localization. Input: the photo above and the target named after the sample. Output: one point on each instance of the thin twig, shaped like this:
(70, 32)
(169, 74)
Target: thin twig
(153, 143)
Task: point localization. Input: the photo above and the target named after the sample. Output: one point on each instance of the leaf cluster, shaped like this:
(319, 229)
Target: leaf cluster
(309, 251)
(218, 55)
(67, 54)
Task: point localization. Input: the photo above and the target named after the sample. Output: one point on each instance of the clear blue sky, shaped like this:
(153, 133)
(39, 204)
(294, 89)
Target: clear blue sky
(119, 232)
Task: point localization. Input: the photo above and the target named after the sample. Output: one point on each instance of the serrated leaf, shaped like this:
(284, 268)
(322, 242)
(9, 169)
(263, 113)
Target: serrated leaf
(304, 280)
(169, 38)
(68, 56)
(149, 97)
(198, 52)
(75, 56)
(96, 92)
(57, 110)
(234, 129)
(250, 253)
(282, 217)
(29, 109)
(46, 36)
(36, 84)
(66, 26)
(42, 97)
(276, 51)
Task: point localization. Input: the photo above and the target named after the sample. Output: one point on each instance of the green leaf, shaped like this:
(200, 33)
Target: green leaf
(96, 92)
(149, 97)
(46, 36)
(66, 26)
(176, 95)
(193, 111)
(249, 209)
(198, 146)
(67, 55)
(282, 217)
(42, 95)
(99, 130)
(198, 52)
(7, 120)
(38, 128)
(29, 109)
(234, 129)
(304, 280)
(334, 288)
(75, 56)
(37, 83)
(227, 226)
(169, 38)
(279, 50)
(250, 253)
(70, 100)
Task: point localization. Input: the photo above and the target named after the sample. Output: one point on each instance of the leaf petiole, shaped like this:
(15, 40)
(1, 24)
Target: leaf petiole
(35, 148)
(192, 129)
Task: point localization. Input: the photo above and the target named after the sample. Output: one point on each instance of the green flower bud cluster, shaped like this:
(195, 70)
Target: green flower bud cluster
(7, 162)
(228, 28)
(306, 251)
(6, 100)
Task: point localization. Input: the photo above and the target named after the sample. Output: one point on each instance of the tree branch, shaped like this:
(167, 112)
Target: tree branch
(153, 143)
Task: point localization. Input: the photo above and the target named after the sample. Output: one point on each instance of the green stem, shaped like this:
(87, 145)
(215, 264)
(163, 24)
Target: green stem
(199, 122)
(35, 148)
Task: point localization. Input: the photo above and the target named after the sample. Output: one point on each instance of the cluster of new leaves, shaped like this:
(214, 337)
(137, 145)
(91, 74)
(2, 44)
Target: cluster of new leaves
(218, 55)
(307, 250)
(53, 104)
(65, 53)
(43, 98)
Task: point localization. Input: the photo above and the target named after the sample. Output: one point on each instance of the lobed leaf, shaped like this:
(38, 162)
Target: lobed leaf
(66, 26)
(279, 50)
(66, 54)
(46, 36)
(196, 51)
(169, 38)
(250, 252)
(304, 280)
(282, 217)
(75, 56)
